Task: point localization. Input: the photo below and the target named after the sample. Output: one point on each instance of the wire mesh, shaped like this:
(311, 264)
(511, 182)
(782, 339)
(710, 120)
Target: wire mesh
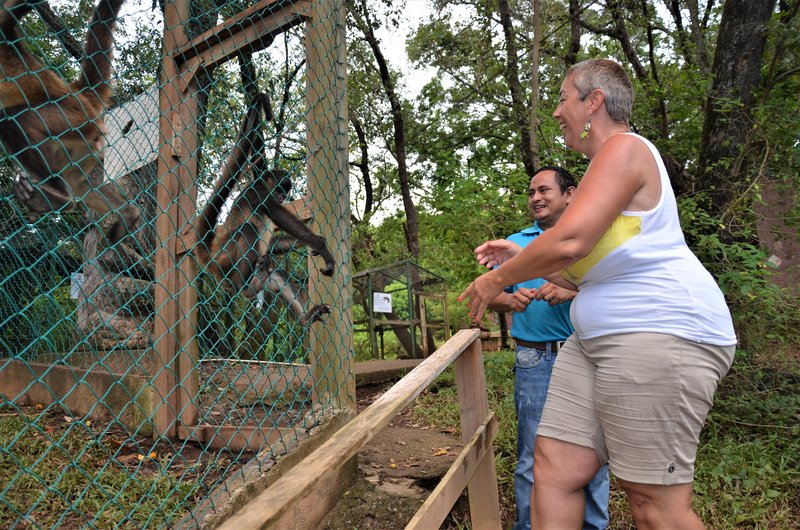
(99, 427)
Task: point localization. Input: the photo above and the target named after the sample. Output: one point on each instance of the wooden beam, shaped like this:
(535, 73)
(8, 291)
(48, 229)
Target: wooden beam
(332, 355)
(484, 499)
(172, 154)
(234, 438)
(268, 506)
(442, 499)
(253, 30)
(239, 23)
(94, 393)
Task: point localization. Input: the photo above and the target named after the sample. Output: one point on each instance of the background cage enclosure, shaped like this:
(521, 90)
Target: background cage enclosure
(137, 391)
(405, 298)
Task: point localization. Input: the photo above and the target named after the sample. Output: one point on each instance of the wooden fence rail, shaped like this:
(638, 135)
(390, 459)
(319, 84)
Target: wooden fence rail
(474, 468)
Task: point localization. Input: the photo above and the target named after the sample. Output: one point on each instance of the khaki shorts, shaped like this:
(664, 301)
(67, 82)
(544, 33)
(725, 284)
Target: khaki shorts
(638, 399)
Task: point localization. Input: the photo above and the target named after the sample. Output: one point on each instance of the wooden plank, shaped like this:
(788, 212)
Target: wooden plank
(442, 499)
(234, 438)
(253, 34)
(95, 394)
(328, 170)
(484, 499)
(185, 272)
(423, 325)
(270, 504)
(236, 24)
(263, 470)
(165, 341)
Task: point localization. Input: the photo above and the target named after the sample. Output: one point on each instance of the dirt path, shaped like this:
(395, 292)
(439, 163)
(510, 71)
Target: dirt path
(397, 470)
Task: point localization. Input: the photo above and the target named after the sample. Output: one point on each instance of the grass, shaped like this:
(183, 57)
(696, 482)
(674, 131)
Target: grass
(748, 465)
(58, 474)
(62, 475)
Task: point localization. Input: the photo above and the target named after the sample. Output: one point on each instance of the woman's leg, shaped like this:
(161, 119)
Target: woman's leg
(656, 507)
(562, 470)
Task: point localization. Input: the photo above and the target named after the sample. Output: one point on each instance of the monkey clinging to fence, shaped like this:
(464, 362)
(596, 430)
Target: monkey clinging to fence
(54, 131)
(237, 252)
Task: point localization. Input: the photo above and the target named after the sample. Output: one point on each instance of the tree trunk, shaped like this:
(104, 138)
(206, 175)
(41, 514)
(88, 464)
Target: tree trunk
(519, 105)
(363, 166)
(574, 34)
(698, 37)
(536, 50)
(411, 227)
(728, 113)
(361, 15)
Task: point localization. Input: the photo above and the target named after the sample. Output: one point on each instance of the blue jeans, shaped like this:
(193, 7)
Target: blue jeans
(532, 371)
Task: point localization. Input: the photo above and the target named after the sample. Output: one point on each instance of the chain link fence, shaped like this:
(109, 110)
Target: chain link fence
(137, 390)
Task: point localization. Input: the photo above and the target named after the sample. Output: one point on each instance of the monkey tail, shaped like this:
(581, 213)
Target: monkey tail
(263, 100)
(206, 224)
(96, 63)
(234, 165)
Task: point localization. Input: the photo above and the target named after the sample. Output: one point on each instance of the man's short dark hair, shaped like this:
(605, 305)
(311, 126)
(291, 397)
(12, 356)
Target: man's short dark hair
(564, 177)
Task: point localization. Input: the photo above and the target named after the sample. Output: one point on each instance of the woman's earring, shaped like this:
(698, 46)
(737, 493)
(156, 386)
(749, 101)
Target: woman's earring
(585, 132)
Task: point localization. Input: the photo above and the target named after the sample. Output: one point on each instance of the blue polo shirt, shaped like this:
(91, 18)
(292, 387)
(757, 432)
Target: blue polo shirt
(540, 322)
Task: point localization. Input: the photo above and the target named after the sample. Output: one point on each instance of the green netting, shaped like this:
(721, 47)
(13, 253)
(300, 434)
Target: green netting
(136, 391)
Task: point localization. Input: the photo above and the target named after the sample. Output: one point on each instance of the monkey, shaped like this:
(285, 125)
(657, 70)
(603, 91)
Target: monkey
(272, 279)
(236, 252)
(54, 131)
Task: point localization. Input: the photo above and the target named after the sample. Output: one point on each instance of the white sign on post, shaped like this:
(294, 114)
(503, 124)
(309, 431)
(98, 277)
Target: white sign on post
(382, 302)
(75, 285)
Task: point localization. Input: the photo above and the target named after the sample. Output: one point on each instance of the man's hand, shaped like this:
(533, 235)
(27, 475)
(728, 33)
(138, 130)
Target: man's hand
(520, 299)
(497, 251)
(553, 294)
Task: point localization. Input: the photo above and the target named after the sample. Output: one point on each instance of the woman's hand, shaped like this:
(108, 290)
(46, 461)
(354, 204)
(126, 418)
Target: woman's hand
(483, 290)
(493, 253)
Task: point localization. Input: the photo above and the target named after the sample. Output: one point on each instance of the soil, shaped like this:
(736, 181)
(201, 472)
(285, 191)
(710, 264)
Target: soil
(397, 470)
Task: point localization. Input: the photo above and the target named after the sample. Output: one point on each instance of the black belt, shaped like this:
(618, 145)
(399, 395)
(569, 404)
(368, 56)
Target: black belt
(554, 345)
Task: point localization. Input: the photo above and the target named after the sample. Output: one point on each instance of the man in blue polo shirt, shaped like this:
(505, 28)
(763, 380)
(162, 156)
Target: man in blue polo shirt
(538, 328)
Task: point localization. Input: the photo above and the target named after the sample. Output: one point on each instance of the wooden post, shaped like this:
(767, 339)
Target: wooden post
(423, 323)
(267, 508)
(175, 344)
(329, 199)
(484, 500)
(373, 341)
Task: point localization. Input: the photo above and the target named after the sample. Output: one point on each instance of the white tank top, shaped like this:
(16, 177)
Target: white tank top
(642, 277)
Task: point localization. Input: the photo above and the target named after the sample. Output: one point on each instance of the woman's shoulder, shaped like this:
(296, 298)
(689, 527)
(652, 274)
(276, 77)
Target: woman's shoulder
(628, 139)
(629, 146)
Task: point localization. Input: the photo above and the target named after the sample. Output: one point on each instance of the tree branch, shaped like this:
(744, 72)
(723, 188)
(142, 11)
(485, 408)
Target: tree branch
(53, 21)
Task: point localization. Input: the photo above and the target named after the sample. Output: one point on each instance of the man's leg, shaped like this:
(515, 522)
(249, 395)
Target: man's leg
(596, 501)
(531, 377)
(570, 448)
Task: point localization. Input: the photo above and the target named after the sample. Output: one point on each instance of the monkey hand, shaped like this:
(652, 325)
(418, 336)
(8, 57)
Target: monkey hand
(327, 270)
(39, 199)
(128, 217)
(24, 192)
(315, 314)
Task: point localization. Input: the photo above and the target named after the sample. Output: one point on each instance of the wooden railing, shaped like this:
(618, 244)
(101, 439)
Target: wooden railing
(473, 469)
